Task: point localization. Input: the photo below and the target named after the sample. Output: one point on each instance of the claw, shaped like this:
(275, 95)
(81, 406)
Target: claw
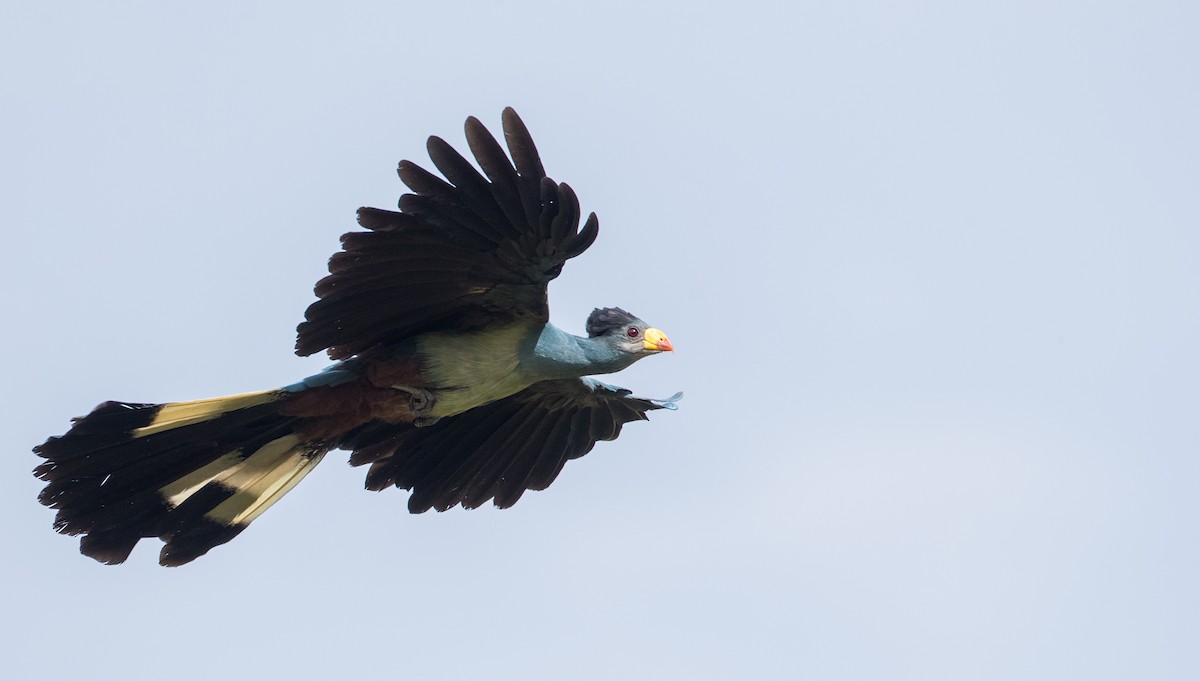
(669, 403)
(420, 401)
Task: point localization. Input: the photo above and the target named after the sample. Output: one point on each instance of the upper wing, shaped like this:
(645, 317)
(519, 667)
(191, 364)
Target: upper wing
(498, 450)
(463, 253)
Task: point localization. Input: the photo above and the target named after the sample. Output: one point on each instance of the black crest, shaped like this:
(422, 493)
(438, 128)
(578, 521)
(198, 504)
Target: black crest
(603, 320)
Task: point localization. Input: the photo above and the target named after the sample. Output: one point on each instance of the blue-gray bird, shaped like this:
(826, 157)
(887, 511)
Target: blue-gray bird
(450, 380)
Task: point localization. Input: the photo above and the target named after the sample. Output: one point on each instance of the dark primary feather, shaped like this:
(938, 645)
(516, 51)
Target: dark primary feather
(499, 450)
(464, 252)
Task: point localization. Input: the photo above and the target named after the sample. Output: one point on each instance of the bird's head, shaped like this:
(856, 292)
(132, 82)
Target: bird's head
(626, 333)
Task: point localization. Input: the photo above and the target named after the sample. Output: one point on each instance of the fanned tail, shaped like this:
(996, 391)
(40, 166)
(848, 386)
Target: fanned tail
(194, 474)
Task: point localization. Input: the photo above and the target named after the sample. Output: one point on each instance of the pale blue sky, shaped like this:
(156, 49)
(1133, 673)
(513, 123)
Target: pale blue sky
(931, 270)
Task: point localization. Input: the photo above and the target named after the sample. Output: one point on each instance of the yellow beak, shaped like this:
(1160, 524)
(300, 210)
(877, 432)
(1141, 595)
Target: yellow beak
(656, 340)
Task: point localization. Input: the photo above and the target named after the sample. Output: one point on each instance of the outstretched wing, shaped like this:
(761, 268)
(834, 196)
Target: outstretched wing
(462, 254)
(498, 450)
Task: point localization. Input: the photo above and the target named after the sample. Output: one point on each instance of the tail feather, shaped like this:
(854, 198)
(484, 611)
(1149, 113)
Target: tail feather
(194, 474)
(179, 414)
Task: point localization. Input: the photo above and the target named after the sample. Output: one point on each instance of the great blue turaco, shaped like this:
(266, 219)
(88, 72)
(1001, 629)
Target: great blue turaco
(449, 379)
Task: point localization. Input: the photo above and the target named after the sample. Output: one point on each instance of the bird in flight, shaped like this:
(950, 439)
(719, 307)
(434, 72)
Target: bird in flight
(449, 379)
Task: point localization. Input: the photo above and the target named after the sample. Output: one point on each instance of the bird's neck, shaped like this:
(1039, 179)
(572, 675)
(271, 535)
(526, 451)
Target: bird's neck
(558, 354)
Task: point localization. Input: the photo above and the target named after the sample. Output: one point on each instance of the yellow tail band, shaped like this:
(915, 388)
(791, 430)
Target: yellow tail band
(178, 414)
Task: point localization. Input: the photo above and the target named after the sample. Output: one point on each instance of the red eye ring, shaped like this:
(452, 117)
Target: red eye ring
(632, 332)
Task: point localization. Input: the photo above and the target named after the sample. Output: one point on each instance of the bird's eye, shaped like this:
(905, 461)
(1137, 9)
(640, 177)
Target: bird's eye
(632, 332)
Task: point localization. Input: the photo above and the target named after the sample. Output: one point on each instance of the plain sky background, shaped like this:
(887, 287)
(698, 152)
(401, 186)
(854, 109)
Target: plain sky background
(930, 267)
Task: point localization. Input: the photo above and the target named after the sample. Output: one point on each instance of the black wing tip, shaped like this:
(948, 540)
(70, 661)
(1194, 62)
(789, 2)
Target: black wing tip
(304, 346)
(583, 239)
(437, 146)
(520, 144)
(513, 125)
(509, 117)
(473, 126)
(376, 220)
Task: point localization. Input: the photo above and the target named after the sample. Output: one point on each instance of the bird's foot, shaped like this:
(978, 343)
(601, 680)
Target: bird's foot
(426, 421)
(420, 401)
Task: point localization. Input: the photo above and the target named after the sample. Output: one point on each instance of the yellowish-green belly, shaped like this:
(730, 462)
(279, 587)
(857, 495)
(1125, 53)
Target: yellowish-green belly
(465, 371)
